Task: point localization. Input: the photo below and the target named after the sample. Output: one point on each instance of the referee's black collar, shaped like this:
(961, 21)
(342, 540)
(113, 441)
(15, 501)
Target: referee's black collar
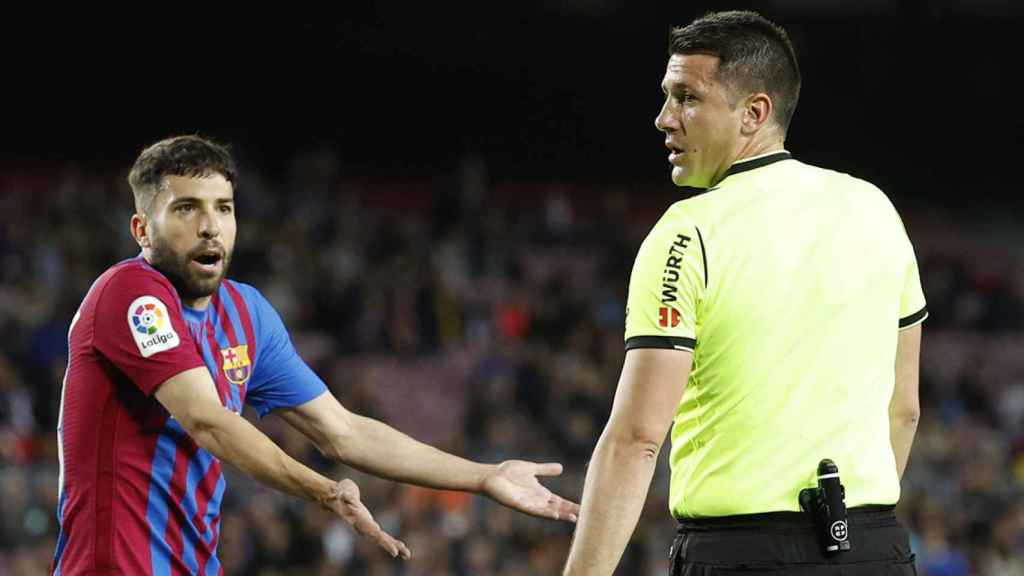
(758, 162)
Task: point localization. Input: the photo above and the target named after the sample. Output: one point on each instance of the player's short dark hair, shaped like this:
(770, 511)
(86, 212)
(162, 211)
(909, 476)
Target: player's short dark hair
(191, 155)
(755, 55)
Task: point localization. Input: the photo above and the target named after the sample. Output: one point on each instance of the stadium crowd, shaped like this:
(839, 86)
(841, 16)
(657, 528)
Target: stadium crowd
(485, 316)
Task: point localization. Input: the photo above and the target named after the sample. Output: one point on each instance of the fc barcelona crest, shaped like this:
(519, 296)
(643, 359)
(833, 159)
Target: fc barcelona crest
(237, 367)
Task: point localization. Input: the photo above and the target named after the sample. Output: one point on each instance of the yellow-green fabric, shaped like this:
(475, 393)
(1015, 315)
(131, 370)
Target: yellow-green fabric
(789, 283)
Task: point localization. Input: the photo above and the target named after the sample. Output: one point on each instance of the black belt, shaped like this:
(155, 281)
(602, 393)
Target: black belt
(867, 516)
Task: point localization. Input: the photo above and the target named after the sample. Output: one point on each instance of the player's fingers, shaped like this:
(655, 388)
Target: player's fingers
(359, 516)
(388, 543)
(363, 521)
(369, 528)
(349, 490)
(401, 549)
(365, 525)
(356, 514)
(549, 469)
(568, 510)
(394, 546)
(559, 508)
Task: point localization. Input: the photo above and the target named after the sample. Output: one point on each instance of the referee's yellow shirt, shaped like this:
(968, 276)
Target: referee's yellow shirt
(790, 284)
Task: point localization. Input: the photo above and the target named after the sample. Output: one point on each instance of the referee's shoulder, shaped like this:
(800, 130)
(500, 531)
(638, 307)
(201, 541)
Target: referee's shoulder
(687, 212)
(694, 200)
(838, 181)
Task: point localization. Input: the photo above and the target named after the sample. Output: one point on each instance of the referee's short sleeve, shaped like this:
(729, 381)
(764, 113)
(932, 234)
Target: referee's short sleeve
(667, 285)
(913, 308)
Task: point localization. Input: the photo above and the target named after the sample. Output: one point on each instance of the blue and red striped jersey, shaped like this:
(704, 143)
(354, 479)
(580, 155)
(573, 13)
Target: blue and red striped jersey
(137, 495)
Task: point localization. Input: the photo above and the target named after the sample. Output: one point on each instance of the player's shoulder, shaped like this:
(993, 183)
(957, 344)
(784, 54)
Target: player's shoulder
(129, 276)
(134, 287)
(254, 301)
(247, 292)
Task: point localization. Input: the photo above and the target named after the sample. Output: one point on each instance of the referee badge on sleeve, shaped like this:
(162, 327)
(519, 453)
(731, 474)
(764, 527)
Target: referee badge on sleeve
(151, 326)
(668, 317)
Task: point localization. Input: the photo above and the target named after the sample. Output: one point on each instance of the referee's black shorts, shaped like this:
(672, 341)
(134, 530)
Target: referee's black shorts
(781, 543)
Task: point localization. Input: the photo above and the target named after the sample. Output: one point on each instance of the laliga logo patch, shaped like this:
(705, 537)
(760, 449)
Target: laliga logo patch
(151, 326)
(237, 367)
(148, 318)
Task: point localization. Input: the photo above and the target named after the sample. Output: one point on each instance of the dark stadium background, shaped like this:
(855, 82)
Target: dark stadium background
(515, 140)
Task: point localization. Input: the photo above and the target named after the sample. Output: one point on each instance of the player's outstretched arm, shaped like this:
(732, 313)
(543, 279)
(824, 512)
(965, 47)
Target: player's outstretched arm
(376, 448)
(651, 384)
(191, 398)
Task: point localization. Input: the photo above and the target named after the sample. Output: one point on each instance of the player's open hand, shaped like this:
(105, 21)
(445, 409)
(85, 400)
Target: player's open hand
(514, 484)
(344, 501)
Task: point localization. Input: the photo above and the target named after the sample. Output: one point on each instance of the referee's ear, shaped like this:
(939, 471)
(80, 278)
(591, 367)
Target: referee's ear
(757, 112)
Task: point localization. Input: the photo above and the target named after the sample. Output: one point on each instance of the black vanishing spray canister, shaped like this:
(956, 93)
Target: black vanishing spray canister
(827, 505)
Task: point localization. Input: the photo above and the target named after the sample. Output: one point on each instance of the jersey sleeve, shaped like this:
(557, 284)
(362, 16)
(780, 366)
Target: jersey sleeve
(913, 309)
(139, 328)
(281, 379)
(666, 286)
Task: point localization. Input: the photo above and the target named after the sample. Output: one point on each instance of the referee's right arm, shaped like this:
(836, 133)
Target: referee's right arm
(904, 408)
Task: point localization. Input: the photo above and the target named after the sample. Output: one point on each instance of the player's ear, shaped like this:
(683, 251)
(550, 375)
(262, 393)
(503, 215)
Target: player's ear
(757, 110)
(140, 230)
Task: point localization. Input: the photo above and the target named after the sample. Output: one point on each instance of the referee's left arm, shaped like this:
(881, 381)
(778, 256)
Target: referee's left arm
(623, 463)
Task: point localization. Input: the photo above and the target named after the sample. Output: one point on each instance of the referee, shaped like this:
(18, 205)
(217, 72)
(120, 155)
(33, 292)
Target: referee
(774, 322)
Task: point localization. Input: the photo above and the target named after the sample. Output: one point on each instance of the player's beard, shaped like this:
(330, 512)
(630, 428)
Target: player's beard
(176, 268)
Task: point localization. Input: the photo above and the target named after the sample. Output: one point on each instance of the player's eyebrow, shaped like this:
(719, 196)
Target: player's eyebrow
(197, 200)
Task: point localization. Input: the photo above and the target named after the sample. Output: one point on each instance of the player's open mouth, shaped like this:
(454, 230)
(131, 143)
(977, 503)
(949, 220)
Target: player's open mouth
(207, 261)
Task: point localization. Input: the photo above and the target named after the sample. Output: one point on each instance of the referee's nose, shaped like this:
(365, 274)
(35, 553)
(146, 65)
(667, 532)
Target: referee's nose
(665, 121)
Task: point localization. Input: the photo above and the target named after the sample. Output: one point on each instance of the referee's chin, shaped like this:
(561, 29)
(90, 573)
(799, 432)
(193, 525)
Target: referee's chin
(680, 176)
(685, 178)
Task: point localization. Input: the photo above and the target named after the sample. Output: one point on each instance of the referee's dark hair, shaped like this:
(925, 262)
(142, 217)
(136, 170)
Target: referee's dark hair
(755, 55)
(189, 155)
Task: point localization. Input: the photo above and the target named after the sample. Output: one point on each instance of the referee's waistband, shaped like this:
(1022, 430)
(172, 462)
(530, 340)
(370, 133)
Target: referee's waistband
(868, 516)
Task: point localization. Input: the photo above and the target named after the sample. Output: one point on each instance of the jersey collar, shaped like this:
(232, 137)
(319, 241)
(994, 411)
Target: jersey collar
(755, 162)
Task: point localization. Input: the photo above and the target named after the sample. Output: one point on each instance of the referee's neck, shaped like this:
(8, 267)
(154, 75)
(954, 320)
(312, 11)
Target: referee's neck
(755, 157)
(763, 143)
(752, 151)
